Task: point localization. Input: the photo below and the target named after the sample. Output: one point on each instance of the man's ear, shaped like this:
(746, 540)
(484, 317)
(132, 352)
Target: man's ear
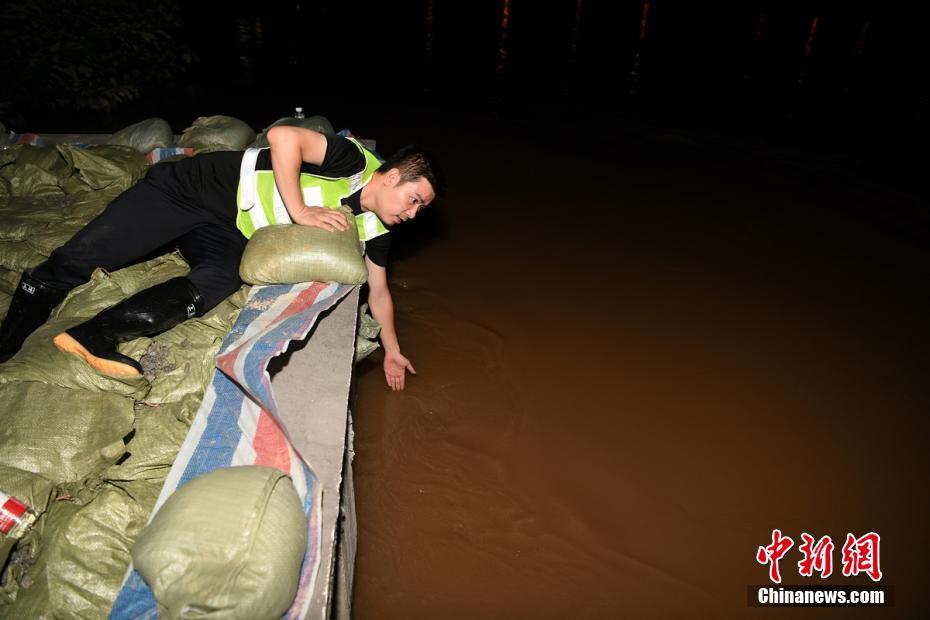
(391, 177)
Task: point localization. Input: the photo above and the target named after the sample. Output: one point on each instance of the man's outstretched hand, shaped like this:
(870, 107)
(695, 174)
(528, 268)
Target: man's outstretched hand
(321, 217)
(395, 367)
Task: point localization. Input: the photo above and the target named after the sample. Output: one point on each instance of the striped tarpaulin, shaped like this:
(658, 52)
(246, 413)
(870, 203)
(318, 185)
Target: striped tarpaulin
(237, 422)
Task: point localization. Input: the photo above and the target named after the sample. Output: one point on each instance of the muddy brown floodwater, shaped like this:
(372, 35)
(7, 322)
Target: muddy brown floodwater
(639, 352)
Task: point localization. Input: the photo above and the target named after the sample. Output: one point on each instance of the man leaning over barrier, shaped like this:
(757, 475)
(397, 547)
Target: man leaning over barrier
(208, 206)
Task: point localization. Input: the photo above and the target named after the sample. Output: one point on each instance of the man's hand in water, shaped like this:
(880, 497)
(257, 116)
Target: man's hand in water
(395, 366)
(321, 217)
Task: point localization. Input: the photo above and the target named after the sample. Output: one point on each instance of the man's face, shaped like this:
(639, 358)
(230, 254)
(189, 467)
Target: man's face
(398, 201)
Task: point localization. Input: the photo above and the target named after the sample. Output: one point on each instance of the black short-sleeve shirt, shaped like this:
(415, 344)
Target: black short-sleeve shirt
(376, 249)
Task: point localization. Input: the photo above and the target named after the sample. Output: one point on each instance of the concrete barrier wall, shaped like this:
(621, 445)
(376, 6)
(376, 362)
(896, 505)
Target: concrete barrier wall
(311, 385)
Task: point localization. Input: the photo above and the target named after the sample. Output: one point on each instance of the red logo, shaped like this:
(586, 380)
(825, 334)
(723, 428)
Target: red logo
(773, 553)
(817, 557)
(860, 555)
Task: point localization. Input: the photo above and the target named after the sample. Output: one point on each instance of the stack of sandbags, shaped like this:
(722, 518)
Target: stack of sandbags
(144, 136)
(217, 133)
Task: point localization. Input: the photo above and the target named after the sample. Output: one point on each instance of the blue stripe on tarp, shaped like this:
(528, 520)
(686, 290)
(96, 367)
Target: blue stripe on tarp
(308, 508)
(135, 600)
(215, 449)
(222, 434)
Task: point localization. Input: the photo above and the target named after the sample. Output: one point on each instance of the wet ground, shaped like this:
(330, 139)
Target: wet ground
(641, 350)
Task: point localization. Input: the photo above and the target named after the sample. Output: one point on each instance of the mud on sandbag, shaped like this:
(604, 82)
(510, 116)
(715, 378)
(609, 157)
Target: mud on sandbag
(291, 253)
(228, 544)
(217, 133)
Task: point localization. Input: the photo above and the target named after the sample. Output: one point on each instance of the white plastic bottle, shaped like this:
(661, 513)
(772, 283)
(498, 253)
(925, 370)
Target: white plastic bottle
(16, 517)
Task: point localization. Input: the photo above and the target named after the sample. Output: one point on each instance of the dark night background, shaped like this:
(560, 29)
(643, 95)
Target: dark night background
(852, 75)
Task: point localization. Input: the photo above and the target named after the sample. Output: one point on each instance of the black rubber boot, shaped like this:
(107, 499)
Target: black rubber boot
(146, 313)
(30, 307)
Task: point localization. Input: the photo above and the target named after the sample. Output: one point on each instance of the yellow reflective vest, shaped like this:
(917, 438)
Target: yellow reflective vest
(260, 204)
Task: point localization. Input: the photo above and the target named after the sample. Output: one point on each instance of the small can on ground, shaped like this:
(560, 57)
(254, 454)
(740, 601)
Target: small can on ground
(16, 516)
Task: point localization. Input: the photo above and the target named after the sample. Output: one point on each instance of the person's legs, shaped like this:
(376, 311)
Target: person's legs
(148, 312)
(29, 308)
(138, 221)
(213, 252)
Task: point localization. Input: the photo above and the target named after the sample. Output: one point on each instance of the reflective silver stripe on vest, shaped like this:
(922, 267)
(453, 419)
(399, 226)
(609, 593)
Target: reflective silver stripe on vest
(369, 228)
(247, 179)
(355, 181)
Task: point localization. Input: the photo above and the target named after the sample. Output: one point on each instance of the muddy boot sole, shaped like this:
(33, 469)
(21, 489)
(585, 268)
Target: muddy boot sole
(68, 344)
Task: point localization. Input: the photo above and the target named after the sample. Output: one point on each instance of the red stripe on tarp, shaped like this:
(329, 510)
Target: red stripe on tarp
(306, 298)
(271, 444)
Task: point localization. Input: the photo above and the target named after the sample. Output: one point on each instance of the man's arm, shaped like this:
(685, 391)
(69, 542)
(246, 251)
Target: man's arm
(382, 309)
(291, 146)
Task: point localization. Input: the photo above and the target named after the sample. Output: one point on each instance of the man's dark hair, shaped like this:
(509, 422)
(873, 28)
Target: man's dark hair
(413, 163)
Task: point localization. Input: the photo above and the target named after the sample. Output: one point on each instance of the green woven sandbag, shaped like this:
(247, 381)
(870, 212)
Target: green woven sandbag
(25, 591)
(29, 180)
(17, 255)
(105, 166)
(317, 123)
(217, 133)
(152, 133)
(229, 544)
(88, 556)
(9, 280)
(291, 253)
(45, 157)
(23, 218)
(366, 339)
(62, 434)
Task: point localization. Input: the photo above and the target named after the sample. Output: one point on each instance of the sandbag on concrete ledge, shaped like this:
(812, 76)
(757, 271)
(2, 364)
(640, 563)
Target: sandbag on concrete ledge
(291, 253)
(228, 544)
